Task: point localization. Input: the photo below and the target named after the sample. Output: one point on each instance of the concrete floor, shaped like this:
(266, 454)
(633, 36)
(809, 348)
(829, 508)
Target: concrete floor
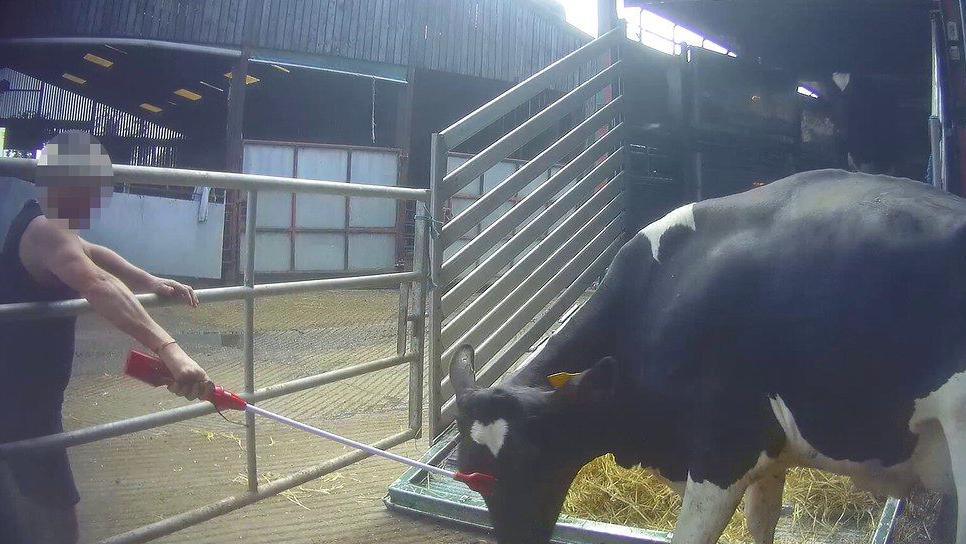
(133, 480)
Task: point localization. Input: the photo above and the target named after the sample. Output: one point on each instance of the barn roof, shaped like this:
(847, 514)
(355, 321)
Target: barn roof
(146, 40)
(495, 39)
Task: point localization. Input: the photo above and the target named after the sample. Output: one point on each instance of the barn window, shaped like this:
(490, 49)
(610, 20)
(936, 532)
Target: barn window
(666, 36)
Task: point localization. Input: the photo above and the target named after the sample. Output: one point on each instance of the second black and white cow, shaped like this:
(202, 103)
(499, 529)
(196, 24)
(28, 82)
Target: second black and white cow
(818, 321)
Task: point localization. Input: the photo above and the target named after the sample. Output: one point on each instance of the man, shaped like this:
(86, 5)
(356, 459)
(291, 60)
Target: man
(43, 259)
(868, 120)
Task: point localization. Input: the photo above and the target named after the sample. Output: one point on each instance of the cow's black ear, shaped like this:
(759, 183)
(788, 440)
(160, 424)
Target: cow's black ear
(596, 384)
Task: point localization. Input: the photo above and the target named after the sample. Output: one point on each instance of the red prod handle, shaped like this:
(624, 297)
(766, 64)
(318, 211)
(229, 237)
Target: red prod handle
(147, 368)
(477, 481)
(150, 370)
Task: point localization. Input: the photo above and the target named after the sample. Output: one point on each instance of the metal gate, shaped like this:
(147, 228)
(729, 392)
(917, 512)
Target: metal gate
(408, 344)
(505, 268)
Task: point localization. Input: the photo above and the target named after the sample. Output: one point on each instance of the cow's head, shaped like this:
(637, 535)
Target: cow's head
(533, 440)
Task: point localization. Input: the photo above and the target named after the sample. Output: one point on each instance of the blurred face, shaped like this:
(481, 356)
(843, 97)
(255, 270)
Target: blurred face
(74, 176)
(75, 205)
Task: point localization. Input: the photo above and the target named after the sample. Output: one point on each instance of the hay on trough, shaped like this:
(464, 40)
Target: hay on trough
(821, 502)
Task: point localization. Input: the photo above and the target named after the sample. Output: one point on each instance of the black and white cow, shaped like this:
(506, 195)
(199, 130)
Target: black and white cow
(817, 321)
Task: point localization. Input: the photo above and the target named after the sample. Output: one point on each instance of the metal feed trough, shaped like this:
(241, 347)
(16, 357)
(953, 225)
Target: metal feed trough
(500, 291)
(418, 492)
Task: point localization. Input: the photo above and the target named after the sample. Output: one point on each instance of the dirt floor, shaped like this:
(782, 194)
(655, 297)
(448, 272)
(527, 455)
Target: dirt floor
(137, 479)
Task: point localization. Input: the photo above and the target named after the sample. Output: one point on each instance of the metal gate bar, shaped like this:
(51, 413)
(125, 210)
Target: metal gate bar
(517, 214)
(410, 311)
(582, 226)
(518, 244)
(78, 306)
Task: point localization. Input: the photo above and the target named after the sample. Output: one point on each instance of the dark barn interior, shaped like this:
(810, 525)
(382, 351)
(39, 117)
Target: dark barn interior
(884, 46)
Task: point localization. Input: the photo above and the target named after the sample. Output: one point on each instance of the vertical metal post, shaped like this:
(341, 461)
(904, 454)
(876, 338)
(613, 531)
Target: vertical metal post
(402, 323)
(434, 366)
(937, 116)
(421, 264)
(251, 210)
(618, 53)
(402, 333)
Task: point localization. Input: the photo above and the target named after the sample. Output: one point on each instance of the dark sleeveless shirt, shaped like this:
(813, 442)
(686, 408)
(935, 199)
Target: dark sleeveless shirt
(35, 355)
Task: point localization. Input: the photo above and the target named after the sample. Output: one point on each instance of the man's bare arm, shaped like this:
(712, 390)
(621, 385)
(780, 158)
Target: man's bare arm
(138, 280)
(61, 253)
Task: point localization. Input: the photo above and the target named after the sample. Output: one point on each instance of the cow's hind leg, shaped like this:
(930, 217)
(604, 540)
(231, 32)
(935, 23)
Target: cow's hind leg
(957, 454)
(955, 429)
(946, 519)
(763, 504)
(705, 512)
(948, 405)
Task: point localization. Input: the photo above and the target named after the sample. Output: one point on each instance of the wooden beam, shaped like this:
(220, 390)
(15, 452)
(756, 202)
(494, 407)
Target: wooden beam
(234, 161)
(234, 149)
(236, 116)
(403, 140)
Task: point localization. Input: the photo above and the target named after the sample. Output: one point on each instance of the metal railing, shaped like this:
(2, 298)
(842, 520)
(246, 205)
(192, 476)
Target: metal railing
(409, 347)
(502, 290)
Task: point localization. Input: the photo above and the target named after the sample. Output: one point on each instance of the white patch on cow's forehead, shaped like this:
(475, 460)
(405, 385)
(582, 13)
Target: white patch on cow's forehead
(683, 216)
(490, 435)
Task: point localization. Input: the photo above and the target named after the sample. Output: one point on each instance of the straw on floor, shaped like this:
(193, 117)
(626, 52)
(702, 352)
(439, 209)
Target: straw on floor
(821, 502)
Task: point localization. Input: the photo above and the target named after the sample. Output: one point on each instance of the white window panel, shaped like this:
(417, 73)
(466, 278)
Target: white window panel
(268, 160)
(373, 168)
(497, 174)
(273, 252)
(319, 252)
(372, 251)
(315, 210)
(274, 208)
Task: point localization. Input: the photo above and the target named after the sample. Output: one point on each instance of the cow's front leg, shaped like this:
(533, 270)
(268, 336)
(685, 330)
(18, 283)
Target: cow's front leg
(954, 426)
(763, 504)
(706, 511)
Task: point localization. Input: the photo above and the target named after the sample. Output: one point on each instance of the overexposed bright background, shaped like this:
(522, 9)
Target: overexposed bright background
(642, 26)
(649, 29)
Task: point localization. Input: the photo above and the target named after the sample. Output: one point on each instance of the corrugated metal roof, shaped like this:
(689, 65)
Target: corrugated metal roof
(29, 96)
(496, 39)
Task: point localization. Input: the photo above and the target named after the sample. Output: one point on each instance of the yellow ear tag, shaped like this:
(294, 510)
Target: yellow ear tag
(560, 379)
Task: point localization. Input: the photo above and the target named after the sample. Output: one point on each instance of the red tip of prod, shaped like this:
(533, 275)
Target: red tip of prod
(481, 483)
(226, 400)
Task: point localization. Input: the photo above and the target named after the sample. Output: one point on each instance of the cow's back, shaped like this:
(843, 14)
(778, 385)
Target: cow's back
(842, 294)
